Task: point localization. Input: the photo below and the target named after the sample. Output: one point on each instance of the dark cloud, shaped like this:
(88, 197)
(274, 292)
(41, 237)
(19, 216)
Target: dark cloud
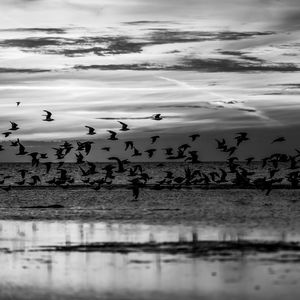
(147, 22)
(247, 109)
(135, 118)
(241, 55)
(191, 106)
(16, 70)
(201, 65)
(77, 46)
(166, 36)
(44, 30)
(136, 67)
(112, 45)
(228, 65)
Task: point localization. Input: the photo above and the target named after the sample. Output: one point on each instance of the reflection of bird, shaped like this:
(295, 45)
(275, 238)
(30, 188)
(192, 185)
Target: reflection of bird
(112, 135)
(157, 117)
(280, 139)
(48, 116)
(124, 126)
(91, 130)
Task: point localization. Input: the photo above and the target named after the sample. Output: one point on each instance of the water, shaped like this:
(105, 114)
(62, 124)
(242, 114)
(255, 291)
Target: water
(30, 273)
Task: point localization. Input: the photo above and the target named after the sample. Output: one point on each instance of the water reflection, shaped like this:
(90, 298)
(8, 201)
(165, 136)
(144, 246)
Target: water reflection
(94, 275)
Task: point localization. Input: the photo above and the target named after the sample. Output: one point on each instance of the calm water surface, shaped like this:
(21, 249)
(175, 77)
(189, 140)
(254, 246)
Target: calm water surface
(28, 273)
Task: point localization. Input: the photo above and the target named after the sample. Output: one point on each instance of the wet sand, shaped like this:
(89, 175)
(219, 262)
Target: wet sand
(187, 244)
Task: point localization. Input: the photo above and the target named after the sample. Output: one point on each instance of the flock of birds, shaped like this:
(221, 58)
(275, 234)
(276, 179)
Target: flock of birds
(235, 173)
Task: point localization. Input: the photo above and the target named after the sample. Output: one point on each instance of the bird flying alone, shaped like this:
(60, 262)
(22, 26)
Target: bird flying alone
(6, 134)
(124, 126)
(112, 135)
(48, 116)
(91, 130)
(157, 117)
(14, 126)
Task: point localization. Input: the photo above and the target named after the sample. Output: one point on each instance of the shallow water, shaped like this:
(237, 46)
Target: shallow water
(30, 271)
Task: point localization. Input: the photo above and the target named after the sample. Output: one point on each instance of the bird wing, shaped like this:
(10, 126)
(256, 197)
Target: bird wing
(49, 114)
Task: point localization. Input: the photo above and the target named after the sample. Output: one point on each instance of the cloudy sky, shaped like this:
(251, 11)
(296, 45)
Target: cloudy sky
(208, 67)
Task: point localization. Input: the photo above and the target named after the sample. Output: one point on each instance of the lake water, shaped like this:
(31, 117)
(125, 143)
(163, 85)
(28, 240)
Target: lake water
(30, 269)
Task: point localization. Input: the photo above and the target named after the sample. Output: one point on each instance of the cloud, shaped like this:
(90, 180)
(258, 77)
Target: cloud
(51, 30)
(20, 70)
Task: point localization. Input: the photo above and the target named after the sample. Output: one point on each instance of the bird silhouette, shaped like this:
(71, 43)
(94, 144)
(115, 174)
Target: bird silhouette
(14, 126)
(112, 135)
(242, 136)
(157, 117)
(21, 150)
(6, 134)
(91, 130)
(124, 126)
(150, 152)
(128, 144)
(48, 116)
(154, 138)
(120, 163)
(136, 152)
(18, 103)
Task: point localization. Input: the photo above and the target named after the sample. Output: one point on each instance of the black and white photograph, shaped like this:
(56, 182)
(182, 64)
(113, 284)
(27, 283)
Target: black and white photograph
(149, 149)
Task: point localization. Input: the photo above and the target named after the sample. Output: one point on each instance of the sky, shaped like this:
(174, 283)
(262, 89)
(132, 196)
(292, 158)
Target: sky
(209, 67)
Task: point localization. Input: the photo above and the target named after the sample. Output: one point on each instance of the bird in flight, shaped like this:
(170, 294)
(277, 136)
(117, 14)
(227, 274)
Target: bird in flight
(91, 130)
(18, 103)
(112, 135)
(14, 126)
(154, 138)
(242, 136)
(48, 116)
(124, 126)
(6, 134)
(157, 117)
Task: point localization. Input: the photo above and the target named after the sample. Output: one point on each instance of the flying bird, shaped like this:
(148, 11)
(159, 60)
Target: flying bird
(154, 138)
(157, 117)
(91, 130)
(128, 144)
(124, 126)
(6, 134)
(112, 135)
(48, 116)
(14, 126)
(18, 103)
(150, 152)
